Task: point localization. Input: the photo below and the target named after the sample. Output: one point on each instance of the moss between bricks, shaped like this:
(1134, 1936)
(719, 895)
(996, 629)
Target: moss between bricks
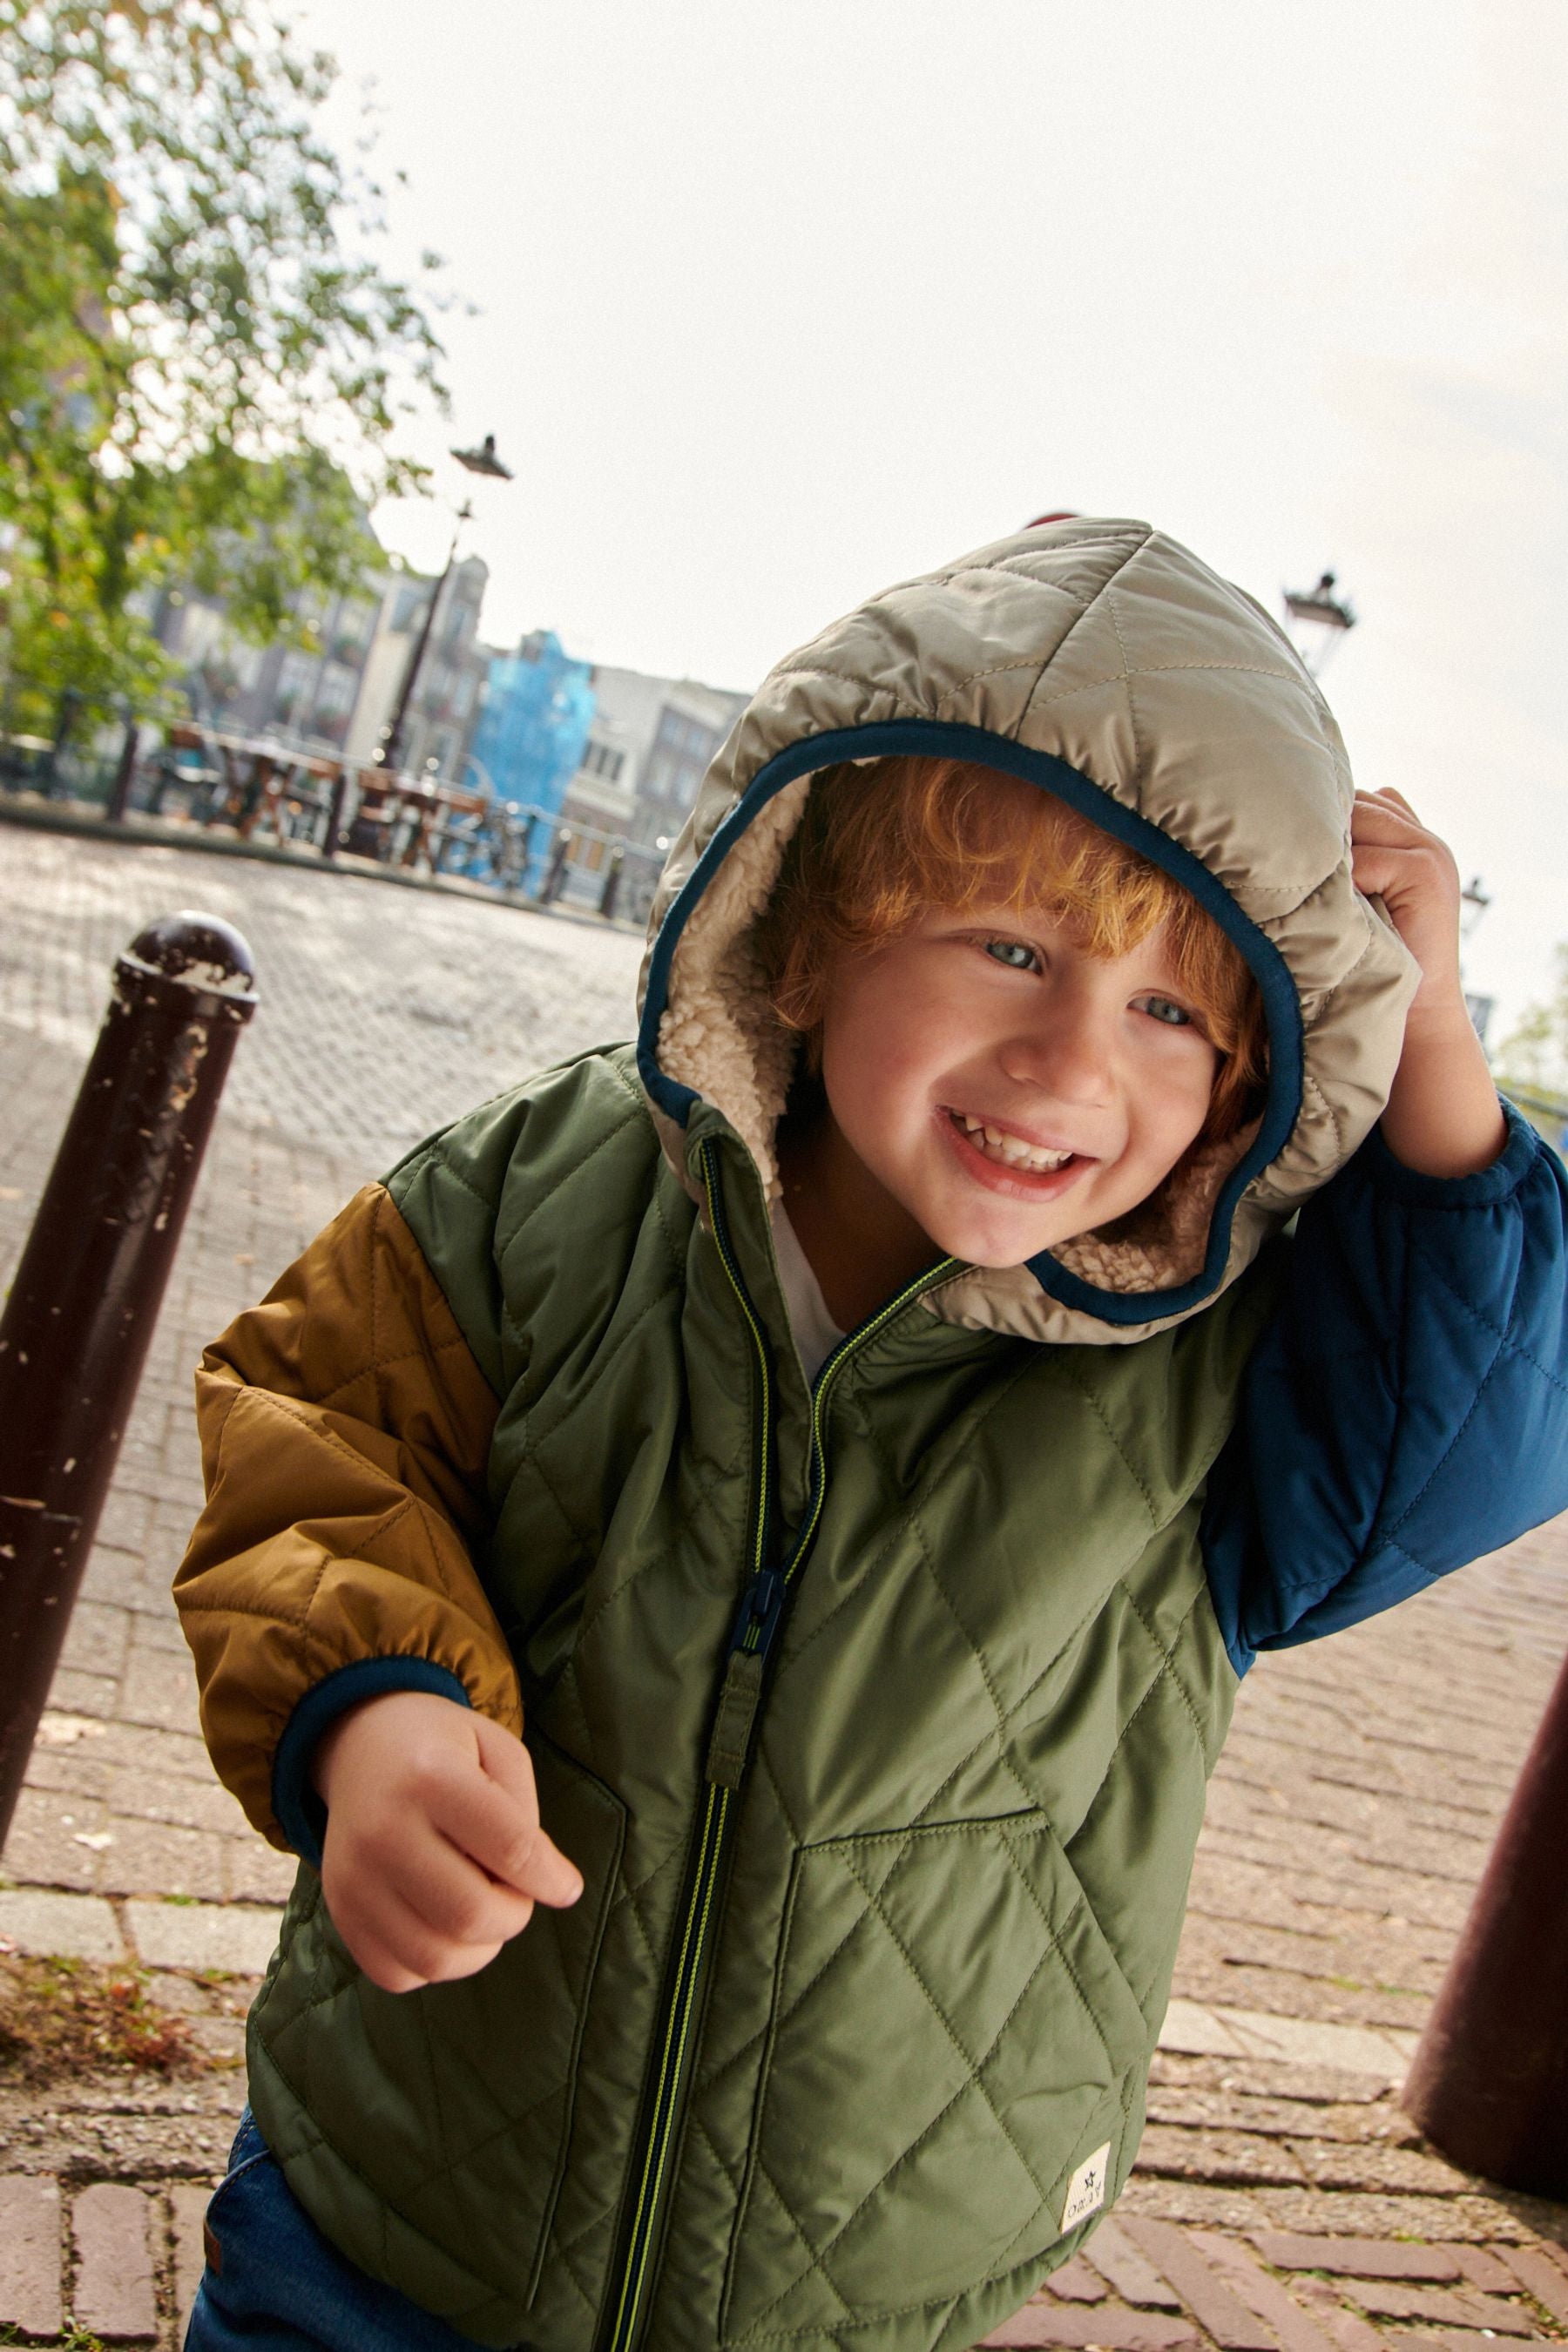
(61, 2016)
(72, 2339)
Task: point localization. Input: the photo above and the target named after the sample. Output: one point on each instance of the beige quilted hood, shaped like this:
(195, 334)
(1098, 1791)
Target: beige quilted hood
(1105, 663)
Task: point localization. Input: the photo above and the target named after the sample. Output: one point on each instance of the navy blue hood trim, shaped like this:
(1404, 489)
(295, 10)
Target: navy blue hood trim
(934, 739)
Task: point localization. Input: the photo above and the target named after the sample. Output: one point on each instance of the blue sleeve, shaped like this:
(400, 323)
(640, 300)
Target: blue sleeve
(1407, 1408)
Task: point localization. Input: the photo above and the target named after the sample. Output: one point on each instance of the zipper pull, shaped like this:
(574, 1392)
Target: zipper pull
(743, 1687)
(760, 1605)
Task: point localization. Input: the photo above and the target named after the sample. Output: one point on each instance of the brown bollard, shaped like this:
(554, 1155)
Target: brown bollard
(1489, 2084)
(86, 1295)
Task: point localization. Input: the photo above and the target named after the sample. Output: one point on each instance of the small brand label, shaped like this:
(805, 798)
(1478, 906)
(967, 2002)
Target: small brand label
(1086, 2189)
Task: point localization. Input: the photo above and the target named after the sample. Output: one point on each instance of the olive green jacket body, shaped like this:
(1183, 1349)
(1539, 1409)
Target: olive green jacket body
(877, 1716)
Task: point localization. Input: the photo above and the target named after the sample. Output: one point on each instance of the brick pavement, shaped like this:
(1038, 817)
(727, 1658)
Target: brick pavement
(1347, 1824)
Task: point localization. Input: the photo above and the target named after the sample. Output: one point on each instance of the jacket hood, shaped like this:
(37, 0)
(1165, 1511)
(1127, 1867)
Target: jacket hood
(1105, 663)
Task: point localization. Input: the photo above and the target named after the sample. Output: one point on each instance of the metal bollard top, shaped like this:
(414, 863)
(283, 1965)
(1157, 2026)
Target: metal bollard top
(201, 953)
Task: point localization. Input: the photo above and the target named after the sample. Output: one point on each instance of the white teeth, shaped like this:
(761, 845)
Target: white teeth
(1011, 1149)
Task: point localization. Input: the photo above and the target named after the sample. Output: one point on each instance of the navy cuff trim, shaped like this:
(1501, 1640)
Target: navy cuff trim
(1482, 1190)
(300, 1812)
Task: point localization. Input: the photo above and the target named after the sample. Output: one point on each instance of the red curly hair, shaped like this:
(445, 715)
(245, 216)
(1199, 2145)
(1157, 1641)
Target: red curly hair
(881, 841)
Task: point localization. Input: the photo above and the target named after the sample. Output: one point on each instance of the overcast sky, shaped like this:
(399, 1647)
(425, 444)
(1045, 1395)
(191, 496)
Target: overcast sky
(781, 299)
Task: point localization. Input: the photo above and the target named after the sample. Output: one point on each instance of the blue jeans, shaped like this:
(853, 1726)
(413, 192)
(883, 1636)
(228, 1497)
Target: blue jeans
(273, 2283)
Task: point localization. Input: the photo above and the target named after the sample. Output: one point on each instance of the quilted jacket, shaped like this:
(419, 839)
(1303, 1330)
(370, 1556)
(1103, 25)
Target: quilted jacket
(877, 1711)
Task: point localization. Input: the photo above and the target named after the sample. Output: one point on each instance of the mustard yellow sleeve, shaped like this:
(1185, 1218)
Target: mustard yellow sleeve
(345, 1431)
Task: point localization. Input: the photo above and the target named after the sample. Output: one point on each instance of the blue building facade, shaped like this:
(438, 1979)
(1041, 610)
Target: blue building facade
(528, 743)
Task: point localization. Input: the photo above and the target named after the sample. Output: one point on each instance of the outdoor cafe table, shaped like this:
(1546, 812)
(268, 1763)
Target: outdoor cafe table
(265, 775)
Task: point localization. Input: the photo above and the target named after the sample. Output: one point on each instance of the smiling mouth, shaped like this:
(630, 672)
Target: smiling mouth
(1008, 1150)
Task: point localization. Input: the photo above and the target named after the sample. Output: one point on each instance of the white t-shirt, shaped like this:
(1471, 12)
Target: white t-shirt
(816, 1333)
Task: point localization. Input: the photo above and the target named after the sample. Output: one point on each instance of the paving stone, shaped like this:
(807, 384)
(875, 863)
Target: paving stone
(1075, 2282)
(203, 1935)
(1312, 2042)
(1347, 2328)
(157, 1756)
(77, 1774)
(1189, 2026)
(153, 1858)
(56, 1839)
(1325, 1989)
(1484, 2270)
(179, 1994)
(98, 1638)
(30, 2253)
(1200, 2287)
(161, 1631)
(1247, 2158)
(1479, 2216)
(220, 2038)
(76, 1693)
(74, 1926)
(1333, 2165)
(1358, 2257)
(187, 2211)
(1539, 2276)
(1272, 2078)
(1240, 2268)
(1135, 2280)
(160, 1689)
(1385, 2298)
(1230, 2105)
(112, 2226)
(255, 1872)
(1439, 2339)
(186, 1804)
(1117, 2330)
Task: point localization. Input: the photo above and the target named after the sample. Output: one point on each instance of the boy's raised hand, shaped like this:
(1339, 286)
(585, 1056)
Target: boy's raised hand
(1443, 1117)
(434, 1855)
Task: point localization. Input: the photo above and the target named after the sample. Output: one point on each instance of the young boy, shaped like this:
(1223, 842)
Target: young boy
(733, 1564)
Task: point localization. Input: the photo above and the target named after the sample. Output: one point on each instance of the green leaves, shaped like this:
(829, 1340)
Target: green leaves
(202, 367)
(1534, 1056)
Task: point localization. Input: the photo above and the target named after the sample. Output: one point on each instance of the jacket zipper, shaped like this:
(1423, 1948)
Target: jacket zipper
(740, 1692)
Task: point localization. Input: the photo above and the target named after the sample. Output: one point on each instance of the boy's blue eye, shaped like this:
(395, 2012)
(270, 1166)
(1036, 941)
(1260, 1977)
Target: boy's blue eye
(1175, 1016)
(1012, 952)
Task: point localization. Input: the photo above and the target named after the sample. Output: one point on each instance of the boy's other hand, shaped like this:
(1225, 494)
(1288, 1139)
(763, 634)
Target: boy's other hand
(434, 1855)
(1443, 1115)
(1394, 857)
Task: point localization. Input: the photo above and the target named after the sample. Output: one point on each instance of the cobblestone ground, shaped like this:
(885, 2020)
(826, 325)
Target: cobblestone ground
(1281, 2203)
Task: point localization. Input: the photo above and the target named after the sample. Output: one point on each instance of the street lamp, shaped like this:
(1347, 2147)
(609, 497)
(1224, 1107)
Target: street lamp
(1319, 621)
(1473, 904)
(482, 460)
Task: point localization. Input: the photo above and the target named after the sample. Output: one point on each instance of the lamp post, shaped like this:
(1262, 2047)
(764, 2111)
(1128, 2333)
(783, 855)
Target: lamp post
(1318, 620)
(1474, 900)
(482, 460)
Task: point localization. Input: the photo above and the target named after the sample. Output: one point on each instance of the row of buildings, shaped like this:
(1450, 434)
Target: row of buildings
(616, 754)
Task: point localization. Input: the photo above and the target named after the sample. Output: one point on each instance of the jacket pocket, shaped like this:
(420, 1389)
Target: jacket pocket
(430, 2128)
(949, 2038)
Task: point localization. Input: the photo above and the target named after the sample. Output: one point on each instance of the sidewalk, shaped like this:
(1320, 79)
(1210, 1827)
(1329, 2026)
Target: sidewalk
(1347, 1825)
